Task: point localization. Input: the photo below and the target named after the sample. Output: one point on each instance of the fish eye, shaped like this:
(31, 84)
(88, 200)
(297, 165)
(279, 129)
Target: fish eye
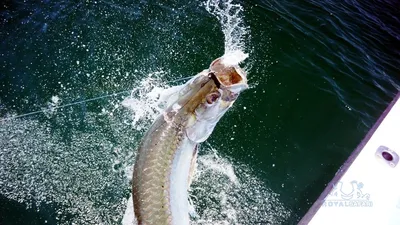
(212, 97)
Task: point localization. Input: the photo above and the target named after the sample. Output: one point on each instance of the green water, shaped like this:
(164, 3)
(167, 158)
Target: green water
(320, 76)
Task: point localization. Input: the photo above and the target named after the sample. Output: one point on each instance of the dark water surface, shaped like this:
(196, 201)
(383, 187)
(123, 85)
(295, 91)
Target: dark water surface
(321, 74)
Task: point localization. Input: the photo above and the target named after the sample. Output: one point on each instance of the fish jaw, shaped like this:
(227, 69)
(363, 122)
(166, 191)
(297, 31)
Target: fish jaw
(231, 77)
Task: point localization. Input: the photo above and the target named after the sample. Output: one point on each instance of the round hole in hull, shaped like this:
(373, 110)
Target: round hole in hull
(387, 156)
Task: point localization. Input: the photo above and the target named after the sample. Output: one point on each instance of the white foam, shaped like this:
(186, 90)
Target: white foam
(233, 58)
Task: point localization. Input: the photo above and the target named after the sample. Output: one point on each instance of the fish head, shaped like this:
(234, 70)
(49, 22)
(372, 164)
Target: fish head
(208, 96)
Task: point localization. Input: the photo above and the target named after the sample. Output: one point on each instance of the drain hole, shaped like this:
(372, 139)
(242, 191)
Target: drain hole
(387, 156)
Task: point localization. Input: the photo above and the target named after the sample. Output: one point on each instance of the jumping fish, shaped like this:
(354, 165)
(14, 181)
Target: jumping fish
(167, 153)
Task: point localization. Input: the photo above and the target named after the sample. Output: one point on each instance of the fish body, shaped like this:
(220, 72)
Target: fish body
(167, 153)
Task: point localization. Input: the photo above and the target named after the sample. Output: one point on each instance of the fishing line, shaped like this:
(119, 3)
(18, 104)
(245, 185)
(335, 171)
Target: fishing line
(63, 106)
(78, 102)
(180, 79)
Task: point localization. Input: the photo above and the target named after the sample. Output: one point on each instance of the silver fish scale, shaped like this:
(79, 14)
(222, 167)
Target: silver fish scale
(152, 171)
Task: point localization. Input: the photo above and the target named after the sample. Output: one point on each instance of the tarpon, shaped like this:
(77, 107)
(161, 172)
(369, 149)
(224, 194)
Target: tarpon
(167, 154)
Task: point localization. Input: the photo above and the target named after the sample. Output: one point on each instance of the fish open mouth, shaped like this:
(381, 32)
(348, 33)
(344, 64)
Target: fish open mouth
(228, 75)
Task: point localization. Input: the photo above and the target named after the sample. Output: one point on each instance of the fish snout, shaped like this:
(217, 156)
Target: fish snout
(231, 77)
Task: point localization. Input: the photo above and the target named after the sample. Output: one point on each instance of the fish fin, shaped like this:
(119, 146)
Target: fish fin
(200, 130)
(193, 165)
(192, 210)
(129, 216)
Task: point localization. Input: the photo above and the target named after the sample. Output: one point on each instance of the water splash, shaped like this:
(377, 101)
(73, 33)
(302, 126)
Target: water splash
(80, 172)
(145, 101)
(230, 16)
(73, 182)
(233, 58)
(236, 195)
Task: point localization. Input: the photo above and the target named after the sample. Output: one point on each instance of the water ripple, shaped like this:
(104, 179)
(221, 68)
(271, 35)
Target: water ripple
(361, 39)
